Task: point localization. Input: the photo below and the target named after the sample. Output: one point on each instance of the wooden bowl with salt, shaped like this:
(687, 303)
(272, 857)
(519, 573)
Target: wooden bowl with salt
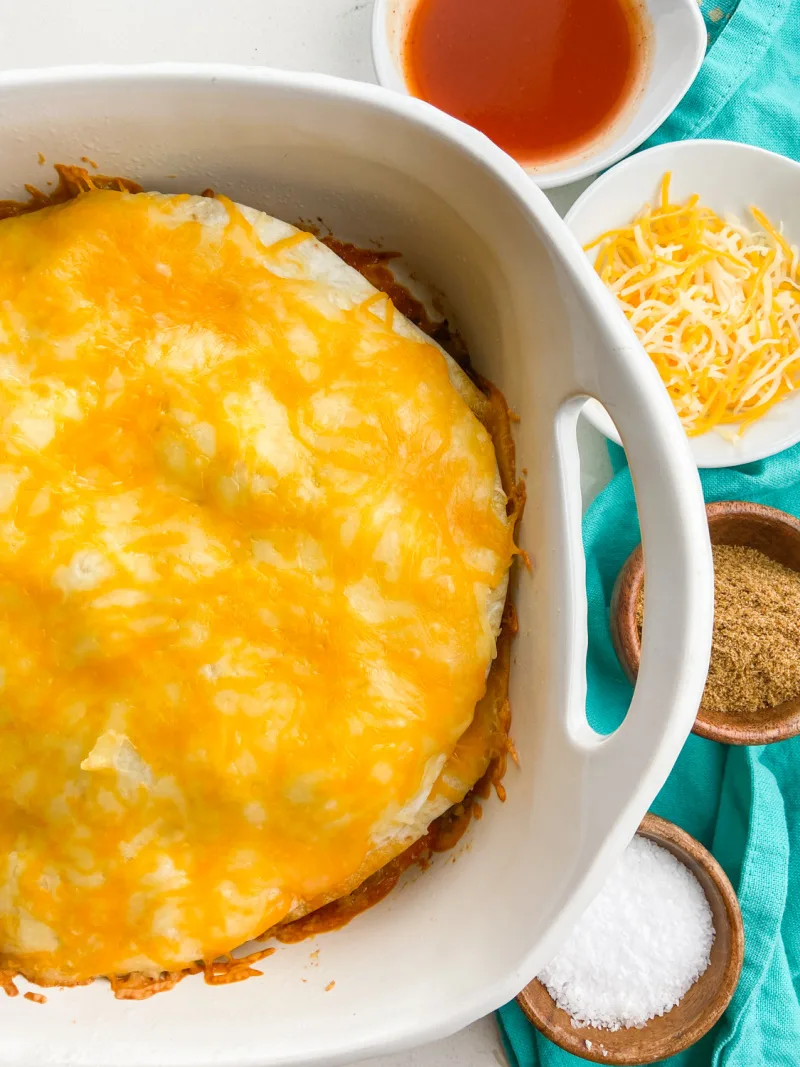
(732, 522)
(698, 1010)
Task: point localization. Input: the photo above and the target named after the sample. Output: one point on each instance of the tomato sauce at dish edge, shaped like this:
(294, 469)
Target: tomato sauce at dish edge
(542, 78)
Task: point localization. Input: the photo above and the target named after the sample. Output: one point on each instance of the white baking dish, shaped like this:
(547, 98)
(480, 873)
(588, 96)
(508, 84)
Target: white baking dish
(464, 937)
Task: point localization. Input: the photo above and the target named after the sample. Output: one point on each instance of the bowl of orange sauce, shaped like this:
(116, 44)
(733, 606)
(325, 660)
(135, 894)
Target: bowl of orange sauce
(567, 87)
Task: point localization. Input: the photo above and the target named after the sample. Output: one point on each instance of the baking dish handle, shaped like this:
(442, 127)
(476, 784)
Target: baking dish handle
(629, 766)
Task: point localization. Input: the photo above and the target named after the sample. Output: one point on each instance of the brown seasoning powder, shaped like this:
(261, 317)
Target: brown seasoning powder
(755, 652)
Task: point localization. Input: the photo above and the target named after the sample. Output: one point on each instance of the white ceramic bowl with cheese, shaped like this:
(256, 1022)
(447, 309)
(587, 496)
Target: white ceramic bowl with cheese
(455, 942)
(676, 46)
(728, 177)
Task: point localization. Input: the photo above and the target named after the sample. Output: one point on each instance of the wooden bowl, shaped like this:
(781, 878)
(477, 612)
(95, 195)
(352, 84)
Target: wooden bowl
(702, 1005)
(730, 522)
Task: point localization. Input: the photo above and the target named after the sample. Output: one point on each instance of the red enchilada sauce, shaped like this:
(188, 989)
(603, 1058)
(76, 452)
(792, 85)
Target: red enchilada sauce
(542, 78)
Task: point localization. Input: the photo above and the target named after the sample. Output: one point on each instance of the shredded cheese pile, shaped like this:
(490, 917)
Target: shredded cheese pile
(716, 307)
(253, 552)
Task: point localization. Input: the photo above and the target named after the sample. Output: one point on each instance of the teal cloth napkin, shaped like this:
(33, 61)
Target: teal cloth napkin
(742, 803)
(748, 88)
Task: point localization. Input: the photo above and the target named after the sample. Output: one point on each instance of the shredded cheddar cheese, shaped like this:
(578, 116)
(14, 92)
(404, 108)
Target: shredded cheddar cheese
(253, 553)
(716, 307)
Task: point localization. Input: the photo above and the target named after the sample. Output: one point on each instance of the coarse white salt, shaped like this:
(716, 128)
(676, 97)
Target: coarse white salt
(639, 946)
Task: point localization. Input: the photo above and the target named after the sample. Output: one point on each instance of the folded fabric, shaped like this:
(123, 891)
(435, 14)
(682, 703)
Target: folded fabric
(748, 88)
(743, 803)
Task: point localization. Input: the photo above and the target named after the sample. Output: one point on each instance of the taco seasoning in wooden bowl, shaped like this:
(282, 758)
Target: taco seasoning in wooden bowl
(752, 695)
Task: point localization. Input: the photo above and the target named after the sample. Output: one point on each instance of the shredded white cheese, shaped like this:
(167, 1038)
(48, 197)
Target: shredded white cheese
(715, 305)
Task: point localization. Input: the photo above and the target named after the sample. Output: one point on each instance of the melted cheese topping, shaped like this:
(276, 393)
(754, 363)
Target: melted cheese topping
(715, 305)
(251, 555)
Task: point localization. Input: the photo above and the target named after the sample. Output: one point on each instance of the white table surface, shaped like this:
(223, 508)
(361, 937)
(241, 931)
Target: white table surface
(332, 36)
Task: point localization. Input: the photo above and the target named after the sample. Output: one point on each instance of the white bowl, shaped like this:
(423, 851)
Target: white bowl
(456, 942)
(677, 47)
(729, 178)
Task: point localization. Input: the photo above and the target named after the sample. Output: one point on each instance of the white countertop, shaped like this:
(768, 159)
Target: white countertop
(332, 36)
(322, 35)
